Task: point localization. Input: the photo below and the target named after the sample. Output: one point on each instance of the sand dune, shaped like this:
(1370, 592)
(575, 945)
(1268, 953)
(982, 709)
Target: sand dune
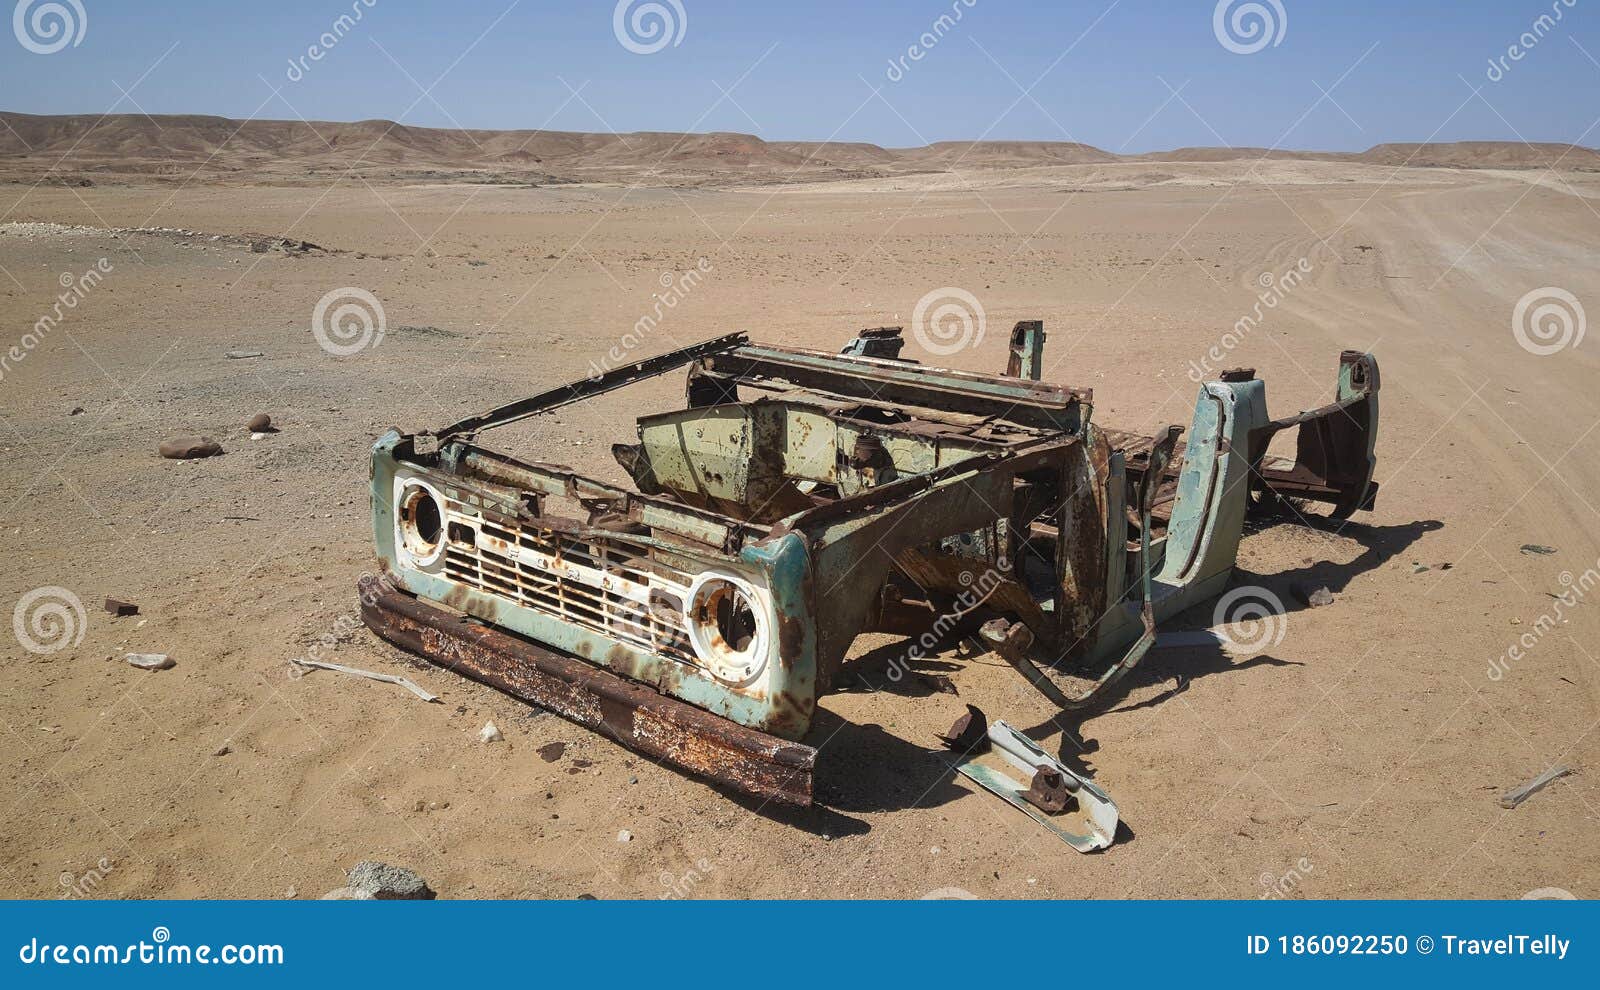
(89, 145)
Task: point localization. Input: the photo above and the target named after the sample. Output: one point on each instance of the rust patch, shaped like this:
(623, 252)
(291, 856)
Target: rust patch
(689, 738)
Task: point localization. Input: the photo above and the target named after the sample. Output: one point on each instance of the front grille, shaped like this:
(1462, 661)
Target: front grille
(613, 586)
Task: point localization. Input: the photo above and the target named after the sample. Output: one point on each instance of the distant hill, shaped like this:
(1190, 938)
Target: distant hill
(134, 144)
(1483, 154)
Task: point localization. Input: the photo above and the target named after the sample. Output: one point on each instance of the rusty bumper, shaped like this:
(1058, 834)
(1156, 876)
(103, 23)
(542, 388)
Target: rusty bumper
(636, 716)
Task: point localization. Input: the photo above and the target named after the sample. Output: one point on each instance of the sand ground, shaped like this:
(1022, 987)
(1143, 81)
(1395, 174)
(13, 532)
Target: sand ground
(1362, 755)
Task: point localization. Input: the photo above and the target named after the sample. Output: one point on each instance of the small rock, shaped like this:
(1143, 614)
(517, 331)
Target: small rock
(389, 883)
(76, 411)
(418, 806)
(624, 836)
(242, 355)
(185, 448)
(222, 750)
(551, 752)
(349, 894)
(258, 436)
(291, 893)
(149, 661)
(258, 423)
(490, 733)
(1534, 548)
(1313, 595)
(120, 608)
(1417, 568)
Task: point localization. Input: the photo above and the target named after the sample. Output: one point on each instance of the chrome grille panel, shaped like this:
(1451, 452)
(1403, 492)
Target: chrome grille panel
(609, 585)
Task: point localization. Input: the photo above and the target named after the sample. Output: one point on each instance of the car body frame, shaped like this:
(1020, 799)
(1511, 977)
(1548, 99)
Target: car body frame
(801, 498)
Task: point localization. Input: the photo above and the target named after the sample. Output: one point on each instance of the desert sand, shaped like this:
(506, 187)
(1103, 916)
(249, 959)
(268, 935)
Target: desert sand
(1363, 755)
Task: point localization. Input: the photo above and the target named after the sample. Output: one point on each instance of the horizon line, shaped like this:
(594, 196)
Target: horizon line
(393, 124)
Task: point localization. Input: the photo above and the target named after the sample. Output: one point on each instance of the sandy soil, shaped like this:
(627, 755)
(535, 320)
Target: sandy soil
(1361, 756)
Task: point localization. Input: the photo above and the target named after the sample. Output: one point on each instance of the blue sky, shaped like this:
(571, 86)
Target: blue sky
(1101, 72)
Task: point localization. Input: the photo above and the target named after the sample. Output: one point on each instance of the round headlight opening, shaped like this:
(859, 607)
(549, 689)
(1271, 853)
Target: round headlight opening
(727, 613)
(421, 522)
(727, 627)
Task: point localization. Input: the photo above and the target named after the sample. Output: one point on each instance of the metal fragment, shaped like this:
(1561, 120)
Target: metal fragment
(369, 675)
(969, 733)
(1510, 799)
(1051, 785)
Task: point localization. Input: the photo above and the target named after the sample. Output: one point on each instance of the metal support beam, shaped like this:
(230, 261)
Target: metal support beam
(587, 388)
(1027, 351)
(1030, 403)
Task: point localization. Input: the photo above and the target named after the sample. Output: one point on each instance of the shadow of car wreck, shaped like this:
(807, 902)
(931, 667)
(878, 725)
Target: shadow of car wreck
(867, 769)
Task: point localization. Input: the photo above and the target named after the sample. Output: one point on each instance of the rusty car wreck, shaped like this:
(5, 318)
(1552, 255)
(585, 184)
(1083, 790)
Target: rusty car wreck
(801, 498)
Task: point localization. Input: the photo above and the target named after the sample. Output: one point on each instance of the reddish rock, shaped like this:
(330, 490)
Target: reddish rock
(184, 448)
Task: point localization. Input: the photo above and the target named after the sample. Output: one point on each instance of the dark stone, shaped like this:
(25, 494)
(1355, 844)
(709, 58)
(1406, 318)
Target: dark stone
(184, 448)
